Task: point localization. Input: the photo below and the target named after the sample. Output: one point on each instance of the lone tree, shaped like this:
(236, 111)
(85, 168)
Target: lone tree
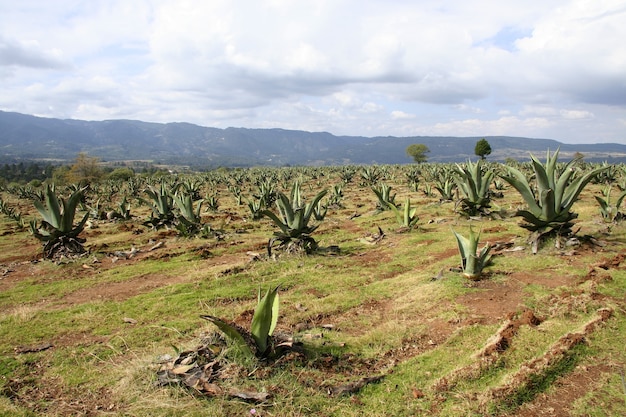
(418, 152)
(483, 148)
(85, 170)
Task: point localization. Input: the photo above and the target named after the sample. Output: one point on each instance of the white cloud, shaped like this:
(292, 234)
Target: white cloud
(576, 114)
(549, 68)
(399, 115)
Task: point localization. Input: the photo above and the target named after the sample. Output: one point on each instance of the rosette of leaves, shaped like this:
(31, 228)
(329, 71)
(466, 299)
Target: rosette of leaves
(385, 198)
(610, 212)
(446, 187)
(188, 221)
(557, 188)
(57, 230)
(162, 207)
(473, 261)
(370, 175)
(473, 181)
(294, 222)
(257, 342)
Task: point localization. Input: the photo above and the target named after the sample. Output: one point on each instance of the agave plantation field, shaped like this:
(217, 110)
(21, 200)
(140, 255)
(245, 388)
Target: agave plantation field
(318, 291)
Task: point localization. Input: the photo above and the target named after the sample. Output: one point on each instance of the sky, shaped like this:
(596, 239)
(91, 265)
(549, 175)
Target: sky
(551, 69)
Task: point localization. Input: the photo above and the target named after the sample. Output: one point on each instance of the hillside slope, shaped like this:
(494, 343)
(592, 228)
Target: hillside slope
(29, 137)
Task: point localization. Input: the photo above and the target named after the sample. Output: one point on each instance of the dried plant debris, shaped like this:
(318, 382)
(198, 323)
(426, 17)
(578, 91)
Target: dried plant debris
(202, 370)
(35, 348)
(353, 387)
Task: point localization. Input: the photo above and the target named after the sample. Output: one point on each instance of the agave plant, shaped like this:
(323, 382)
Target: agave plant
(294, 222)
(472, 260)
(188, 222)
(336, 196)
(162, 210)
(385, 198)
(473, 181)
(212, 202)
(446, 188)
(549, 208)
(406, 216)
(258, 341)
(370, 175)
(610, 212)
(124, 209)
(57, 230)
(256, 208)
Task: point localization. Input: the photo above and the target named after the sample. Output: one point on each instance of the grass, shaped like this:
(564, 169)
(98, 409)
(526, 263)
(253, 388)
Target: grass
(369, 310)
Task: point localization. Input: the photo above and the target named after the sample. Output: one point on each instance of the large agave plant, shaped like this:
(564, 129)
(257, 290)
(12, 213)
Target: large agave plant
(57, 230)
(549, 208)
(258, 341)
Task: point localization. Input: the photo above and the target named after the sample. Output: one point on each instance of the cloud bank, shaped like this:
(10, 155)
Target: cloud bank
(549, 69)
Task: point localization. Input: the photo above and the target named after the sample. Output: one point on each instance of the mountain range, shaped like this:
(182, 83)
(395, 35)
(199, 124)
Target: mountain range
(26, 137)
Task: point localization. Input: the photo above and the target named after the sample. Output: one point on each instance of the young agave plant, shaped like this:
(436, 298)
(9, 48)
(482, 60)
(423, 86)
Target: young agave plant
(162, 213)
(474, 183)
(472, 260)
(610, 212)
(57, 230)
(124, 209)
(188, 222)
(256, 208)
(385, 198)
(406, 216)
(446, 188)
(549, 209)
(258, 341)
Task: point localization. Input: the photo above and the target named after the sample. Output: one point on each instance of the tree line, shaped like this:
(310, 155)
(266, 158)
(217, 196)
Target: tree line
(84, 170)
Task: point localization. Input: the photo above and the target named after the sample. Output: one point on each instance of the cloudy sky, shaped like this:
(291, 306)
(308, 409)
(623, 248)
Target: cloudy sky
(538, 68)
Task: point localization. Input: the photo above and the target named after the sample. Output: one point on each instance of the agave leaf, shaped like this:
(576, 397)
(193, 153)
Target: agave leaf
(464, 246)
(576, 187)
(541, 175)
(285, 208)
(311, 206)
(79, 228)
(562, 185)
(265, 319)
(604, 204)
(51, 212)
(548, 209)
(619, 200)
(518, 180)
(278, 222)
(232, 333)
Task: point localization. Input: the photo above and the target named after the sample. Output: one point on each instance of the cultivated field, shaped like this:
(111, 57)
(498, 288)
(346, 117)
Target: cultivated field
(379, 320)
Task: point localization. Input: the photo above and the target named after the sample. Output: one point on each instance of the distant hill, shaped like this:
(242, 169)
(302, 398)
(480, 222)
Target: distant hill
(25, 137)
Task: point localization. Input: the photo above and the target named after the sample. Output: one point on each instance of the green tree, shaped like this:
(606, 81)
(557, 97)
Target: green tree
(483, 148)
(85, 170)
(418, 152)
(122, 174)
